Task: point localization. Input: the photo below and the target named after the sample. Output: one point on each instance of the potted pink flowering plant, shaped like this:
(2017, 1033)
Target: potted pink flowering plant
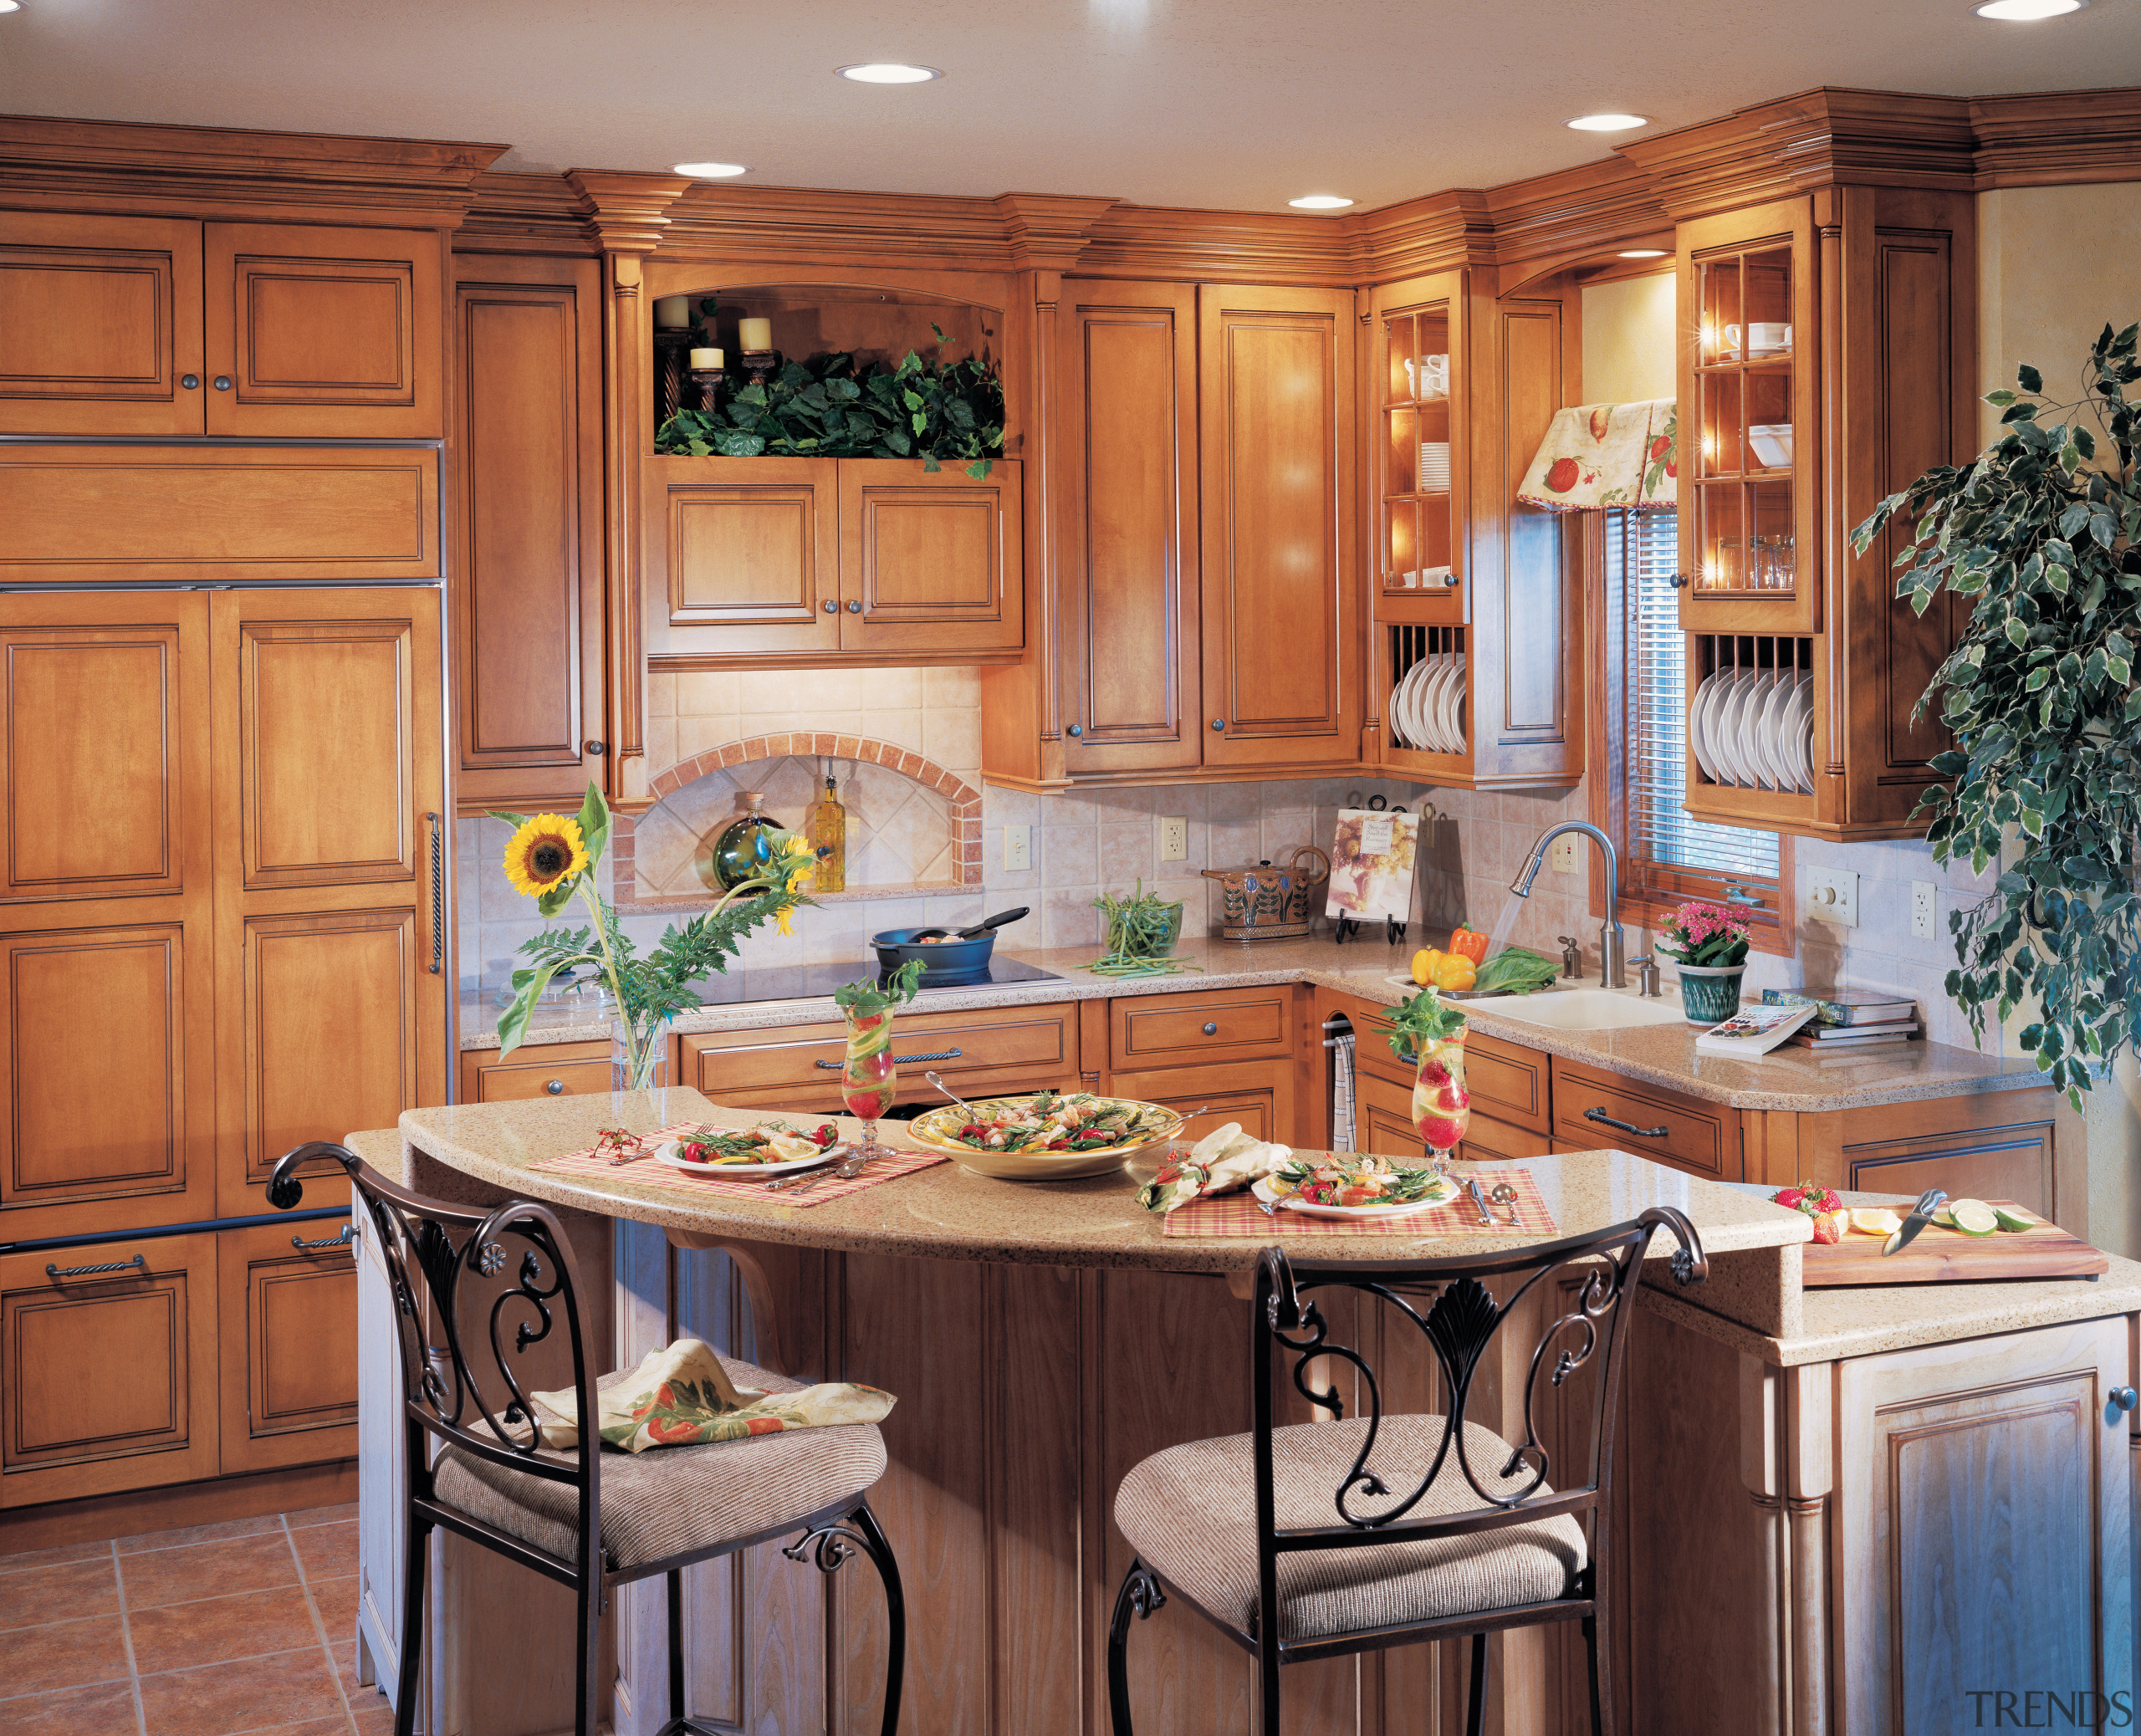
(1708, 943)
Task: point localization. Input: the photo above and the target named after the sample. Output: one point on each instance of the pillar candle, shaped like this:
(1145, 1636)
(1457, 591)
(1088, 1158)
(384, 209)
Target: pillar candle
(754, 334)
(672, 311)
(706, 358)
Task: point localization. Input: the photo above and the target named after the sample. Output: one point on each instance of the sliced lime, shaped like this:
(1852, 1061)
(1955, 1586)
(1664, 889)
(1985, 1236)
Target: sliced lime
(1973, 1217)
(2012, 1223)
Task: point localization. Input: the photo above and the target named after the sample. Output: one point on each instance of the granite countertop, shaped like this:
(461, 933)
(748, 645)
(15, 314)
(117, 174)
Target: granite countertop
(948, 1213)
(1794, 1079)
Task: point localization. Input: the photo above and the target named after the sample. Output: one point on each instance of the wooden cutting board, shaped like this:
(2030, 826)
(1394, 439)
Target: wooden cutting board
(1945, 1256)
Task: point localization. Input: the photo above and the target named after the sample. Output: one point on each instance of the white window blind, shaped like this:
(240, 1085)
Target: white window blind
(1642, 553)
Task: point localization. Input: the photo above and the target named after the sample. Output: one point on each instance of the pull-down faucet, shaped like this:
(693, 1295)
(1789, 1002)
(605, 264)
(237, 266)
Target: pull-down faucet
(1612, 967)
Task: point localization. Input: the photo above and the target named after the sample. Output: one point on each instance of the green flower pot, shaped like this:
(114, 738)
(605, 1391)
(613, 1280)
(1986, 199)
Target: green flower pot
(1709, 993)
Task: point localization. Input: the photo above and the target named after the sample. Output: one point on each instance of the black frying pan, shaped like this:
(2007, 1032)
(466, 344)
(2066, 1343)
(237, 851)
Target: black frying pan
(957, 958)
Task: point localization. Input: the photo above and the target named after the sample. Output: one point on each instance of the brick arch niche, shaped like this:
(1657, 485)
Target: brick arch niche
(912, 822)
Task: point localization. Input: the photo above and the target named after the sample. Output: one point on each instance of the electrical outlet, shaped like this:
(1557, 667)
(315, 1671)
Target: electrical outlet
(1017, 849)
(1174, 840)
(1561, 854)
(1924, 909)
(1829, 895)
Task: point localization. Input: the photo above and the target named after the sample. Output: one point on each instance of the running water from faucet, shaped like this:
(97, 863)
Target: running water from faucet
(1504, 924)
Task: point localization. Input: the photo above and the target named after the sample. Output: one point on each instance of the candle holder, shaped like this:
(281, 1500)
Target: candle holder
(759, 364)
(709, 382)
(670, 344)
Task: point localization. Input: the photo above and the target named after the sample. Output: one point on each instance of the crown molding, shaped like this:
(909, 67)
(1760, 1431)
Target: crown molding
(2057, 138)
(1441, 232)
(1045, 232)
(1551, 219)
(805, 225)
(117, 166)
(1221, 247)
(626, 213)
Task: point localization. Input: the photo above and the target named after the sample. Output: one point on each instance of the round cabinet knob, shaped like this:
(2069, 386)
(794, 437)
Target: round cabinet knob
(555, 1087)
(1218, 722)
(1451, 580)
(223, 382)
(1077, 729)
(1679, 581)
(597, 748)
(832, 607)
(854, 609)
(192, 382)
(2125, 1398)
(1211, 1030)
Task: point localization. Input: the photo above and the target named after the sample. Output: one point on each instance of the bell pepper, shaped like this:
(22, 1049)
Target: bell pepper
(1443, 970)
(1470, 944)
(1424, 966)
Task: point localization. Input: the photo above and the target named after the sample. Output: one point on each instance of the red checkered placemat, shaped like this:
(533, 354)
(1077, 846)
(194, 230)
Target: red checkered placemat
(596, 1165)
(1238, 1214)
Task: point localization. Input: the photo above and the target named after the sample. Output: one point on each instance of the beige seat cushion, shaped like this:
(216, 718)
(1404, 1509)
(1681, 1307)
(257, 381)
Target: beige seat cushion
(676, 1501)
(1190, 1512)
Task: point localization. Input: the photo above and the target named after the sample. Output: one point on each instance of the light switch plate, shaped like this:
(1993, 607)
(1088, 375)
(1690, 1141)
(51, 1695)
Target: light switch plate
(1561, 854)
(1924, 909)
(1829, 895)
(1017, 849)
(1174, 840)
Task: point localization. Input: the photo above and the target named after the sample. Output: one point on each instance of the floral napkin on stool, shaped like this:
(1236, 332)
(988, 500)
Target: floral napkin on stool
(681, 1396)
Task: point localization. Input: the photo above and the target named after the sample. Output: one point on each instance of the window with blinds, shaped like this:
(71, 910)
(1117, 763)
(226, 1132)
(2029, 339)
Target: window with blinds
(1648, 731)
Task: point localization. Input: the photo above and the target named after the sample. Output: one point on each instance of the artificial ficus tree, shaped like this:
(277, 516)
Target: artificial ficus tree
(2042, 531)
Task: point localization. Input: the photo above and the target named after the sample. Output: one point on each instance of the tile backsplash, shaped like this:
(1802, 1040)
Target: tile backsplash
(1108, 839)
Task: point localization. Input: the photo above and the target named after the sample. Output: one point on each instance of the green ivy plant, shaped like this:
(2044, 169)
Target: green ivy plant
(828, 407)
(2042, 531)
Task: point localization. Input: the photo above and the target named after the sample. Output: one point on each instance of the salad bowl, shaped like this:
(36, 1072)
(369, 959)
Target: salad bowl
(1031, 1123)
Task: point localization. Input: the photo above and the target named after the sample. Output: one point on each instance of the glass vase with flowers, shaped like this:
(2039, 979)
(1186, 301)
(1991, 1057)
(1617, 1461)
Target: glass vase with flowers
(1708, 943)
(553, 858)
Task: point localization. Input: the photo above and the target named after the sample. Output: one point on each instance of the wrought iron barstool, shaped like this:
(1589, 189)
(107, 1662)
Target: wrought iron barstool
(467, 1279)
(1299, 1544)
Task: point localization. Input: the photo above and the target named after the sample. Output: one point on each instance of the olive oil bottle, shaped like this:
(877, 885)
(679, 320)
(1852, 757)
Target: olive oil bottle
(828, 835)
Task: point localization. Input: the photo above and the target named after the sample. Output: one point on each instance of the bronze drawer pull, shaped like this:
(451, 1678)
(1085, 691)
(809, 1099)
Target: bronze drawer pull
(348, 1236)
(942, 1055)
(1599, 1114)
(139, 1260)
(439, 894)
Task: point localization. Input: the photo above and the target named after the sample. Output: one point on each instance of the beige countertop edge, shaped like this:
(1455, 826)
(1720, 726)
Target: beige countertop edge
(1659, 1054)
(1838, 1323)
(946, 1213)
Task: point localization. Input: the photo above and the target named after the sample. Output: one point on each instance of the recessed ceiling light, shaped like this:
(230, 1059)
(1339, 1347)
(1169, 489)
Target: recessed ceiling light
(1319, 201)
(1609, 123)
(889, 71)
(712, 171)
(1642, 252)
(2026, 12)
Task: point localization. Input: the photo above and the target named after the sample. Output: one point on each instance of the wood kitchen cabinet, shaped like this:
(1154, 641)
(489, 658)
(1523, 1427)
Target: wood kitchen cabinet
(1465, 383)
(107, 1377)
(1259, 1095)
(779, 562)
(129, 325)
(534, 1070)
(527, 584)
(287, 1327)
(1827, 356)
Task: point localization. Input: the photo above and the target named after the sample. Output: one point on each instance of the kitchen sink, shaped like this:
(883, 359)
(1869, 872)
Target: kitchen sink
(1582, 1009)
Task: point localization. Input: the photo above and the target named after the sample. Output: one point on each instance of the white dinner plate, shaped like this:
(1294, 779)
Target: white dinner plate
(667, 1153)
(1344, 1214)
(1746, 701)
(1724, 734)
(1799, 732)
(1453, 706)
(1408, 705)
(1423, 713)
(1698, 727)
(1753, 740)
(1782, 756)
(1394, 713)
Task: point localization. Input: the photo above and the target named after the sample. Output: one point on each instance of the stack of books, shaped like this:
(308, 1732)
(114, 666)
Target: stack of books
(1848, 1019)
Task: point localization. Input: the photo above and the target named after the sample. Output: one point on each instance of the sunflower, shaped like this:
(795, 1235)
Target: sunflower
(798, 864)
(782, 917)
(544, 851)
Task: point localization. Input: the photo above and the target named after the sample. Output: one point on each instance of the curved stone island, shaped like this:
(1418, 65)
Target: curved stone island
(1781, 1457)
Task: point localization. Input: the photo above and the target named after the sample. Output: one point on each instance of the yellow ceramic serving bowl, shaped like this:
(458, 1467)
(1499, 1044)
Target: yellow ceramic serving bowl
(938, 1131)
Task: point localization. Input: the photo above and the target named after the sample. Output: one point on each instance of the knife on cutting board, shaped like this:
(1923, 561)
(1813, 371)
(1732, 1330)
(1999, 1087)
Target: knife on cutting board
(1921, 1214)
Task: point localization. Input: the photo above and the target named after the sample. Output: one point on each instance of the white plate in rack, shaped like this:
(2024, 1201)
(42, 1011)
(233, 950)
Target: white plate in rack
(1452, 705)
(1799, 732)
(1725, 728)
(1403, 711)
(1754, 736)
(1698, 727)
(1781, 752)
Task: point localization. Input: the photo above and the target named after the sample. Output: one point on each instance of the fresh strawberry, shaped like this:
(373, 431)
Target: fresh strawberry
(1828, 1227)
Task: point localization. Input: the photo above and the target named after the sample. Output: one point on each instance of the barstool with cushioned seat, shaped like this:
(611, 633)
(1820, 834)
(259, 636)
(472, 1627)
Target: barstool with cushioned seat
(1380, 1530)
(589, 1519)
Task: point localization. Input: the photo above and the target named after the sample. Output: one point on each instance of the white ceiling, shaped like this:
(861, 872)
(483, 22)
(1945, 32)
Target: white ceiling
(1238, 104)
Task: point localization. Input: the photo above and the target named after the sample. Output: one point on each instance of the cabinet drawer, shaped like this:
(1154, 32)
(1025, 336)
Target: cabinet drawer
(1382, 1118)
(107, 1379)
(1488, 1140)
(1372, 1055)
(1261, 1098)
(1011, 1049)
(548, 1069)
(1686, 1132)
(1507, 1081)
(287, 1322)
(1181, 1030)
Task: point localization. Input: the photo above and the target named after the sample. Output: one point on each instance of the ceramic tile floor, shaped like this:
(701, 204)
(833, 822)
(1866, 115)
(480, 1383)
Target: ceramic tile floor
(249, 1626)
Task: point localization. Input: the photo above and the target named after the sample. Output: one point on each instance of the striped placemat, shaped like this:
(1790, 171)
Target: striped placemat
(1238, 1214)
(597, 1165)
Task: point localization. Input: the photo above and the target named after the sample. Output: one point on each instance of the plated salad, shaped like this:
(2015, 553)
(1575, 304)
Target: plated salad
(769, 1142)
(1072, 1122)
(1352, 1180)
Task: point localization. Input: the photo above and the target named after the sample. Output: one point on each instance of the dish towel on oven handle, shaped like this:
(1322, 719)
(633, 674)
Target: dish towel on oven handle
(681, 1396)
(1341, 1046)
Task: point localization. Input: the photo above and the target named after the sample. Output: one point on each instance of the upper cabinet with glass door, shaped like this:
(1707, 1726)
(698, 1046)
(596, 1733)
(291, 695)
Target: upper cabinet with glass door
(1749, 544)
(1420, 534)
